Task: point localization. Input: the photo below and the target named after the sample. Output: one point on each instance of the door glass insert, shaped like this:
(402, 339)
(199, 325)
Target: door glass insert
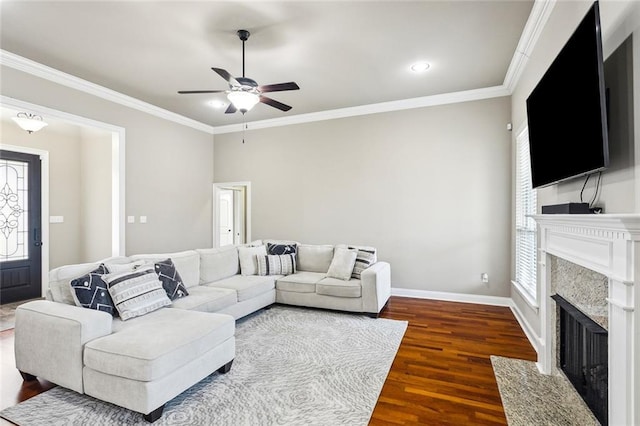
(14, 209)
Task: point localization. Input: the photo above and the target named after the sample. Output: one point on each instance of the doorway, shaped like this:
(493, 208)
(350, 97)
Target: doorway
(231, 213)
(117, 213)
(20, 227)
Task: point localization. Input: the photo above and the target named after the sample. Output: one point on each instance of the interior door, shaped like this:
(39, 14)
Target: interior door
(226, 217)
(20, 227)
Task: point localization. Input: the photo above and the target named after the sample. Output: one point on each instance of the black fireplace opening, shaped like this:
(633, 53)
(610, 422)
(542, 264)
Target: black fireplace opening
(584, 357)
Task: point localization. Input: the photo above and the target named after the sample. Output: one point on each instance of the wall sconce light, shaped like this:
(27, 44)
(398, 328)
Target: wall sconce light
(29, 122)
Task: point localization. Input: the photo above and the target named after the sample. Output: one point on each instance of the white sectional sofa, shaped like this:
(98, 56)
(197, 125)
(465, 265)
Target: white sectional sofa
(143, 362)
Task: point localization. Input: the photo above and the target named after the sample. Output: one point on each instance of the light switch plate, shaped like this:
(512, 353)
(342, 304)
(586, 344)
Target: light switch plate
(143, 219)
(131, 219)
(56, 219)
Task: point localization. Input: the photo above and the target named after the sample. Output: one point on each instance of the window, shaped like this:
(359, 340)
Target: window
(526, 248)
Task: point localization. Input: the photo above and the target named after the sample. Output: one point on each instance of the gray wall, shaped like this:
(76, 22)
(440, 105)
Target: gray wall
(429, 187)
(95, 189)
(621, 183)
(169, 167)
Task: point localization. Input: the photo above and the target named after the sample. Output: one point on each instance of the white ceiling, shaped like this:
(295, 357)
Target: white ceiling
(341, 53)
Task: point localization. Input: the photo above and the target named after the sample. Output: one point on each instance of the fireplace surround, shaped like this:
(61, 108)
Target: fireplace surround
(610, 245)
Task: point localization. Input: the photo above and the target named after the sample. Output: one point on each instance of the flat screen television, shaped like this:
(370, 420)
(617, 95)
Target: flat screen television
(566, 112)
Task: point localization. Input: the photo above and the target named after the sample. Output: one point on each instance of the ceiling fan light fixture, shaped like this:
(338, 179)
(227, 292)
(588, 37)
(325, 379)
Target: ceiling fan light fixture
(29, 122)
(243, 101)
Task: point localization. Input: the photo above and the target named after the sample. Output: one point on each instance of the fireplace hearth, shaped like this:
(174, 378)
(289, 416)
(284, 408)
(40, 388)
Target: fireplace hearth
(583, 356)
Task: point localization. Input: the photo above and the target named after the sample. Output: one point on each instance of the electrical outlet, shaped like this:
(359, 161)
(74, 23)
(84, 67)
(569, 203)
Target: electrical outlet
(484, 277)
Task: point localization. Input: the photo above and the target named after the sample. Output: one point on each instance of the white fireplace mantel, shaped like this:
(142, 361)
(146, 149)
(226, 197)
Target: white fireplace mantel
(608, 244)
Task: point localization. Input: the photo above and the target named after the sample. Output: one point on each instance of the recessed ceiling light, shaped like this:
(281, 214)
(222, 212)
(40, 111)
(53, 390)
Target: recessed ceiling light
(217, 104)
(420, 66)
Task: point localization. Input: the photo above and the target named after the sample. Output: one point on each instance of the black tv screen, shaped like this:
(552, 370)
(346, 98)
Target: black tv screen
(566, 112)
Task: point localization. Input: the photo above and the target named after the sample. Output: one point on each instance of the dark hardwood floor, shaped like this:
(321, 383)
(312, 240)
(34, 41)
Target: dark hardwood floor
(441, 375)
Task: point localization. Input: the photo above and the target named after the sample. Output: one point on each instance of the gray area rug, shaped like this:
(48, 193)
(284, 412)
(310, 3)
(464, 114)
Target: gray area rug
(293, 366)
(531, 398)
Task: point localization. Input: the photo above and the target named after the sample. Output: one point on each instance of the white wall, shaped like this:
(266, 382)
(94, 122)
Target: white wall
(168, 166)
(621, 184)
(429, 187)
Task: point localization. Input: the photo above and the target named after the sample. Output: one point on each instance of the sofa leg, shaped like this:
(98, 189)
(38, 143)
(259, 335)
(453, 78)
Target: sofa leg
(27, 377)
(373, 315)
(155, 414)
(225, 368)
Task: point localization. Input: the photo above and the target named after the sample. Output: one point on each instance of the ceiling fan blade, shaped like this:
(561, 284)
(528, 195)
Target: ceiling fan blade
(280, 87)
(225, 74)
(230, 109)
(188, 92)
(274, 103)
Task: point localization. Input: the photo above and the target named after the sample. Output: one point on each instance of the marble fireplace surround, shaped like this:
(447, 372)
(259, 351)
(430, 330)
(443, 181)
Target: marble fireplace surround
(608, 244)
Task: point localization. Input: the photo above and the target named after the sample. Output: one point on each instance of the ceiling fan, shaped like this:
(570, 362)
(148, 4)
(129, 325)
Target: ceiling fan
(244, 93)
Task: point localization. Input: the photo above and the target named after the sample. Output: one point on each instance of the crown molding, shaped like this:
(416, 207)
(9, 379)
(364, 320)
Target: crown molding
(421, 102)
(20, 63)
(533, 28)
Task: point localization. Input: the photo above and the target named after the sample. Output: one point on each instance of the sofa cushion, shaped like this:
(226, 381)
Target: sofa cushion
(170, 279)
(149, 350)
(136, 293)
(284, 264)
(218, 263)
(314, 258)
(206, 299)
(187, 264)
(248, 262)
(339, 288)
(59, 279)
(248, 286)
(342, 264)
(300, 282)
(124, 267)
(90, 291)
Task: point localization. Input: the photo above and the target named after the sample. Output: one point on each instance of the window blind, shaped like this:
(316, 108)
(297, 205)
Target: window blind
(526, 247)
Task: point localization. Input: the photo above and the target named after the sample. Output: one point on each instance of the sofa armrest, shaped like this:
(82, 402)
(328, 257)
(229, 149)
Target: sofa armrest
(50, 338)
(376, 286)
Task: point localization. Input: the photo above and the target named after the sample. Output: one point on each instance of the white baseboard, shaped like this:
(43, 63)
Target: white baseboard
(534, 339)
(452, 297)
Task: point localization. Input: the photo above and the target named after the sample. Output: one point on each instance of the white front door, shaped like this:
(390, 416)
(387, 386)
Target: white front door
(226, 217)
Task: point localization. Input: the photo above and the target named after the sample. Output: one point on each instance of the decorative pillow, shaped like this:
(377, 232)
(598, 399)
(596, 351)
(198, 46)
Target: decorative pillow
(90, 291)
(136, 293)
(342, 263)
(170, 278)
(366, 257)
(281, 248)
(284, 264)
(248, 262)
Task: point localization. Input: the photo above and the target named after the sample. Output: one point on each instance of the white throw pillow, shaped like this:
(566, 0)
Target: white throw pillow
(248, 260)
(136, 293)
(342, 264)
